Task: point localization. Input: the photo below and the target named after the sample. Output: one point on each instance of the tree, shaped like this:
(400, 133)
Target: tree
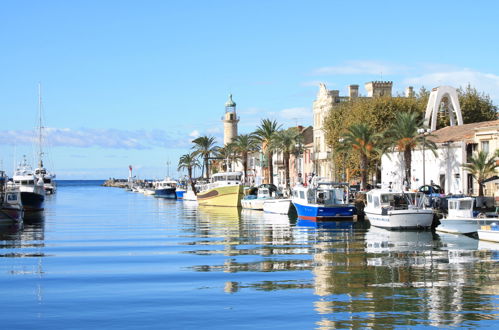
(228, 155)
(403, 134)
(189, 162)
(481, 167)
(265, 134)
(204, 147)
(377, 112)
(287, 141)
(361, 138)
(244, 144)
(475, 106)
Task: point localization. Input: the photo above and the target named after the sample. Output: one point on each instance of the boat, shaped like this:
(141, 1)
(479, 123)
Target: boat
(30, 187)
(225, 189)
(256, 197)
(180, 192)
(489, 232)
(322, 201)
(11, 208)
(461, 218)
(277, 205)
(165, 188)
(390, 209)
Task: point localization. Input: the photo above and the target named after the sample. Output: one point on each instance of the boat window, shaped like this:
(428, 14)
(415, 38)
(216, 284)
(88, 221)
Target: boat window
(369, 198)
(12, 197)
(465, 205)
(302, 194)
(46, 180)
(386, 198)
(375, 201)
(31, 182)
(17, 182)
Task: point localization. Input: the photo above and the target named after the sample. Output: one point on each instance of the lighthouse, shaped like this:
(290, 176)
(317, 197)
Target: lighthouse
(230, 121)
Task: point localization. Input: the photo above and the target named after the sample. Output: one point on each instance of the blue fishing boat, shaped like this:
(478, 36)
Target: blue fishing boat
(165, 189)
(322, 201)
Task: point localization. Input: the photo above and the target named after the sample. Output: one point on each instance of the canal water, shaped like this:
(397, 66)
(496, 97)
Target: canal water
(105, 258)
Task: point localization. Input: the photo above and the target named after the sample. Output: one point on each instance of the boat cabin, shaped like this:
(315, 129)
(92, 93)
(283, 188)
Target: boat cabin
(227, 178)
(461, 207)
(392, 200)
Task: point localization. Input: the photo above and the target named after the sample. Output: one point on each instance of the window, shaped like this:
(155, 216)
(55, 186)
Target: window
(485, 146)
(302, 194)
(375, 201)
(465, 205)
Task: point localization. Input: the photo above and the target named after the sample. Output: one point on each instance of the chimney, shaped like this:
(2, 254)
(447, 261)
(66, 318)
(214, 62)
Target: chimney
(353, 91)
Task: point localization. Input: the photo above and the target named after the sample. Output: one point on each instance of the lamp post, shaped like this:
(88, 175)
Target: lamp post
(424, 132)
(341, 140)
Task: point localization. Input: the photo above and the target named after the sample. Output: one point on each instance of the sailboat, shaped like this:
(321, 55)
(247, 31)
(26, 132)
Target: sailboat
(41, 172)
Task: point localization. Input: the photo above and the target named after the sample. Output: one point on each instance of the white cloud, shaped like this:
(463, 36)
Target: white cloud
(194, 134)
(87, 138)
(362, 67)
(483, 82)
(295, 113)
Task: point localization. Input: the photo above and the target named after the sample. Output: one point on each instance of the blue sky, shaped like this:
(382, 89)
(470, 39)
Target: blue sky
(132, 82)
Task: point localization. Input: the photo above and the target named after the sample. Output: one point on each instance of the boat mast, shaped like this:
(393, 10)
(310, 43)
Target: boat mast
(40, 151)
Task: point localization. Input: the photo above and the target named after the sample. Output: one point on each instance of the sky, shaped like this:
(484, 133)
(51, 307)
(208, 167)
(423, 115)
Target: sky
(133, 82)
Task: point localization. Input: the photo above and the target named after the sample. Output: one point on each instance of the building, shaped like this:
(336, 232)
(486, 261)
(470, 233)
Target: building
(327, 100)
(230, 121)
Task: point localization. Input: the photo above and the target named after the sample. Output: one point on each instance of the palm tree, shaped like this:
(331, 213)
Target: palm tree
(227, 154)
(245, 144)
(189, 162)
(404, 135)
(363, 139)
(265, 134)
(481, 167)
(288, 142)
(204, 147)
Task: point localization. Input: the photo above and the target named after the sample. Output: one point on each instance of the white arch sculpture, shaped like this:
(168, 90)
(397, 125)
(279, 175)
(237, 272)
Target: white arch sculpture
(433, 106)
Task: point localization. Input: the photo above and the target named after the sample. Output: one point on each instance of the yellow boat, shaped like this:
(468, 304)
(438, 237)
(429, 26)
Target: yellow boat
(226, 189)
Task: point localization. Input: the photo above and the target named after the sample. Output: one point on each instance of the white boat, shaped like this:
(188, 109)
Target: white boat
(276, 205)
(323, 201)
(255, 201)
(11, 208)
(460, 219)
(31, 187)
(165, 188)
(390, 209)
(489, 232)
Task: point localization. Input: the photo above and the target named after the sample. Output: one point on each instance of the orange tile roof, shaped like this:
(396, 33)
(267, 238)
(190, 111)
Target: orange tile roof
(459, 133)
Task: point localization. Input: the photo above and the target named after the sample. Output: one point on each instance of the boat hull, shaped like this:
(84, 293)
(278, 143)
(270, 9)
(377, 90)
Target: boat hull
(31, 201)
(278, 206)
(488, 235)
(401, 219)
(230, 195)
(190, 196)
(180, 193)
(315, 212)
(252, 204)
(11, 214)
(463, 226)
(168, 193)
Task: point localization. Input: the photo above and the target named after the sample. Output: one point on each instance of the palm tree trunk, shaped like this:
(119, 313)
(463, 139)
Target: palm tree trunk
(363, 169)
(407, 163)
(245, 165)
(206, 167)
(286, 169)
(189, 173)
(480, 188)
(271, 168)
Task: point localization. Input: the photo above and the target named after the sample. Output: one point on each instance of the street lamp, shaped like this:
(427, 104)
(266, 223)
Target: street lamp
(424, 132)
(341, 140)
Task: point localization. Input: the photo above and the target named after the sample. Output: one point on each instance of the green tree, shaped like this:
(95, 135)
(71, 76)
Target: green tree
(265, 134)
(288, 142)
(228, 154)
(403, 134)
(476, 106)
(204, 146)
(362, 139)
(188, 162)
(481, 167)
(245, 144)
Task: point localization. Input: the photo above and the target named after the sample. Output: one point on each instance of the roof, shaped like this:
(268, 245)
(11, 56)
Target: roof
(230, 102)
(460, 133)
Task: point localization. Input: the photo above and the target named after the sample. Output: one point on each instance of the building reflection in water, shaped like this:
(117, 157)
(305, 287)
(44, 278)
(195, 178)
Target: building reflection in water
(362, 277)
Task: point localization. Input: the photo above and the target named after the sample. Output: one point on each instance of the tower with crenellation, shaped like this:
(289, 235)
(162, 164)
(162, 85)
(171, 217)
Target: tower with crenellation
(379, 88)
